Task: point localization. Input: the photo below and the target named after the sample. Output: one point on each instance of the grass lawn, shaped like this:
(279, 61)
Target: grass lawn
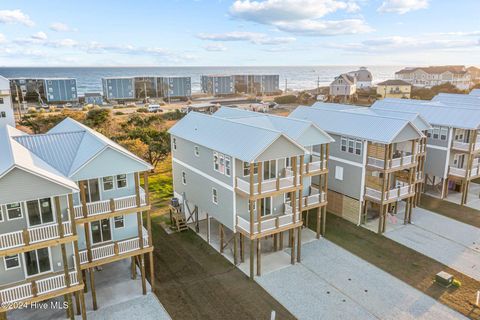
(160, 185)
(452, 210)
(403, 263)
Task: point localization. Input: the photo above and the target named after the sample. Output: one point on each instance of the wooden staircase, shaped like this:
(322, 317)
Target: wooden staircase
(178, 222)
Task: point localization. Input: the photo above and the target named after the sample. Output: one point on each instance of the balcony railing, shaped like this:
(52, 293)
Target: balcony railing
(269, 223)
(33, 235)
(465, 146)
(392, 194)
(421, 148)
(269, 185)
(464, 173)
(38, 287)
(391, 164)
(111, 205)
(116, 248)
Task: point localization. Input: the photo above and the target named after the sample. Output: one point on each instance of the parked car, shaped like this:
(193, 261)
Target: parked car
(154, 108)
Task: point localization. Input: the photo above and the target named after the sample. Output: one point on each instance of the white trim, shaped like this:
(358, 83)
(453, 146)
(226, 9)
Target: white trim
(126, 180)
(356, 164)
(111, 231)
(437, 147)
(123, 221)
(234, 195)
(40, 273)
(184, 178)
(2, 217)
(21, 211)
(447, 158)
(362, 182)
(103, 183)
(54, 212)
(203, 174)
(12, 268)
(215, 195)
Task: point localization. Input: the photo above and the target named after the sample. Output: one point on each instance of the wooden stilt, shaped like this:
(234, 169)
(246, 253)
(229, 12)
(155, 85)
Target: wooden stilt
(380, 220)
(82, 304)
(318, 223)
(84, 277)
(221, 237)
(142, 271)
(292, 246)
(242, 248)
(133, 269)
(3, 316)
(290, 238)
(299, 244)
(235, 259)
(252, 256)
(77, 303)
(259, 259)
(324, 219)
(92, 287)
(275, 242)
(152, 271)
(208, 228)
(281, 241)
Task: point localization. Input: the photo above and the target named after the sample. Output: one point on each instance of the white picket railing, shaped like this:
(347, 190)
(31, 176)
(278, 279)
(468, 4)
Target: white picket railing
(396, 193)
(11, 240)
(269, 223)
(393, 163)
(459, 172)
(269, 185)
(103, 252)
(105, 206)
(17, 293)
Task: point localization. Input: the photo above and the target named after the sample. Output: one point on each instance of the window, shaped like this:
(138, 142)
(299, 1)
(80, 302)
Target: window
(358, 147)
(12, 262)
(246, 169)
(222, 162)
(339, 173)
(174, 142)
(37, 261)
(119, 222)
(214, 196)
(39, 211)
(1, 100)
(351, 144)
(228, 166)
(443, 133)
(101, 231)
(436, 133)
(344, 144)
(121, 181)
(14, 211)
(3, 114)
(216, 162)
(107, 183)
(197, 151)
(184, 178)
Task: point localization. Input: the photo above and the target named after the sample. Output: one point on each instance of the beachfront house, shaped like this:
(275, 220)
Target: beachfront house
(453, 145)
(344, 86)
(436, 75)
(70, 202)
(363, 77)
(6, 104)
(394, 89)
(250, 176)
(373, 161)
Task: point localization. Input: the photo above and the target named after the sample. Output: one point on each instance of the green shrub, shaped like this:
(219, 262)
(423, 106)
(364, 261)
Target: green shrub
(175, 115)
(142, 110)
(286, 99)
(119, 113)
(32, 110)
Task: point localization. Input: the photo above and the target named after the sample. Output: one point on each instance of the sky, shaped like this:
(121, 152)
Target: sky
(238, 32)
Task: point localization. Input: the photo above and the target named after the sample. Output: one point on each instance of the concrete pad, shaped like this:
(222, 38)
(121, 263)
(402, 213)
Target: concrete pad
(473, 199)
(448, 241)
(358, 290)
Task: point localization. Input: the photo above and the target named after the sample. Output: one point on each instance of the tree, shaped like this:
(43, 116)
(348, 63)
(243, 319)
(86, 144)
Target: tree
(158, 143)
(136, 146)
(42, 122)
(98, 119)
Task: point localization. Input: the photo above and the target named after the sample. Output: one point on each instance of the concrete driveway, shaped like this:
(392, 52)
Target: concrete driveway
(331, 283)
(448, 241)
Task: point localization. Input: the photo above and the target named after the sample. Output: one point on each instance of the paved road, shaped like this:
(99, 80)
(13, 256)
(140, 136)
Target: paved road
(332, 283)
(448, 241)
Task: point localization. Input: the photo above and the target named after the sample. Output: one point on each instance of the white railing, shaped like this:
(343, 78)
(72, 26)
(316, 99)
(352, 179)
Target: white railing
(465, 146)
(269, 185)
(314, 199)
(43, 286)
(83, 256)
(419, 176)
(459, 172)
(103, 252)
(11, 240)
(420, 148)
(269, 223)
(393, 194)
(393, 163)
(106, 206)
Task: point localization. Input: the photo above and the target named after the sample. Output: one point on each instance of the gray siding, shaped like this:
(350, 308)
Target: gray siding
(121, 88)
(436, 162)
(336, 151)
(352, 179)
(60, 90)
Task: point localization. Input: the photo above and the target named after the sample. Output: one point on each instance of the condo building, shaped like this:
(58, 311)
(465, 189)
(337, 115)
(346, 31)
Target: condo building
(373, 162)
(44, 90)
(70, 202)
(6, 105)
(252, 175)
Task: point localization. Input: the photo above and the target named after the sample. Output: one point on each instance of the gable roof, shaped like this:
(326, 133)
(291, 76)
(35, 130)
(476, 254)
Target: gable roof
(15, 155)
(294, 128)
(240, 140)
(354, 124)
(348, 79)
(435, 69)
(394, 82)
(458, 100)
(436, 113)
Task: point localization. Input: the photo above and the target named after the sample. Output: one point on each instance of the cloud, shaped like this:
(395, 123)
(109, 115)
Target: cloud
(302, 17)
(2, 38)
(60, 27)
(62, 43)
(215, 47)
(39, 36)
(15, 16)
(252, 37)
(402, 6)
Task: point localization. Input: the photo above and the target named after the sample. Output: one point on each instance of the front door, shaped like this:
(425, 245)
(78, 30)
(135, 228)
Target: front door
(101, 231)
(92, 190)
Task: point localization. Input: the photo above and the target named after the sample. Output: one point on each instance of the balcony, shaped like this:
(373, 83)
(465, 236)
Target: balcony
(268, 186)
(395, 163)
(421, 148)
(269, 224)
(32, 289)
(113, 251)
(391, 195)
(109, 206)
(33, 235)
(465, 146)
(464, 173)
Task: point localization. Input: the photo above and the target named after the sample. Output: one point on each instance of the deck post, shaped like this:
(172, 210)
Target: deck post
(259, 255)
(235, 254)
(142, 271)
(299, 244)
(220, 230)
(281, 241)
(318, 223)
(252, 256)
(292, 245)
(208, 229)
(92, 288)
(152, 271)
(275, 242)
(324, 219)
(133, 268)
(242, 248)
(84, 278)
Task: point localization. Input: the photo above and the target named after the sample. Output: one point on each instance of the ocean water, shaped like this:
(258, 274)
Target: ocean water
(296, 78)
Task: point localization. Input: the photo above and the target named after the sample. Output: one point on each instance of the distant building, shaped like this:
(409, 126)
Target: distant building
(363, 77)
(93, 98)
(474, 74)
(343, 86)
(436, 75)
(218, 85)
(45, 90)
(394, 89)
(207, 108)
(143, 87)
(257, 84)
(475, 92)
(6, 106)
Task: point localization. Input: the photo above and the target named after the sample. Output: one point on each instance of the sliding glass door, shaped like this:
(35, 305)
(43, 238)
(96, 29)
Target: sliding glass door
(101, 231)
(40, 211)
(37, 261)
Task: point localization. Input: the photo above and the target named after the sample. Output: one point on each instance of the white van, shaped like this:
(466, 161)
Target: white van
(154, 108)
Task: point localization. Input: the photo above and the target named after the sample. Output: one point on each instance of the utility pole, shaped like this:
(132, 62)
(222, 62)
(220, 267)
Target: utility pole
(18, 102)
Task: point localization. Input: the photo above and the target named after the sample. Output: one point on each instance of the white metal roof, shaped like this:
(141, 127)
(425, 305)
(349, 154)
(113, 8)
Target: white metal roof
(15, 155)
(458, 100)
(436, 113)
(294, 128)
(475, 92)
(369, 127)
(242, 141)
